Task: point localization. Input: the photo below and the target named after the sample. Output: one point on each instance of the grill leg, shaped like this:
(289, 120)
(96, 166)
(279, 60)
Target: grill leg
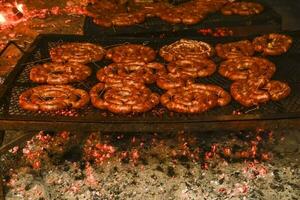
(1, 188)
(2, 133)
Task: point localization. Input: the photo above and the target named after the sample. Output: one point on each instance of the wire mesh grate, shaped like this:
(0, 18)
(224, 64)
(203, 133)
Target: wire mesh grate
(287, 69)
(213, 20)
(1, 109)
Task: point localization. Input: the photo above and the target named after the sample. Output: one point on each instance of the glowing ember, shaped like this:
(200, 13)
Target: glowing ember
(96, 151)
(19, 7)
(35, 151)
(216, 32)
(11, 14)
(2, 19)
(215, 166)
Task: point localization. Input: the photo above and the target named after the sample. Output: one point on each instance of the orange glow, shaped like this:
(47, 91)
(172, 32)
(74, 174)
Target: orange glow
(2, 19)
(19, 7)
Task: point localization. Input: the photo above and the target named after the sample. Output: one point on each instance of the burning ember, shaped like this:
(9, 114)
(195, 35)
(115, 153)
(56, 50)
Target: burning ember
(216, 32)
(12, 14)
(101, 150)
(135, 166)
(2, 19)
(20, 20)
(43, 146)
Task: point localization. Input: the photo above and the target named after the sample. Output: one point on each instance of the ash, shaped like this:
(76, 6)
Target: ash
(248, 165)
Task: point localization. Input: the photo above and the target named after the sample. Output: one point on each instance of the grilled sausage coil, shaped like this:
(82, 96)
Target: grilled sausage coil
(195, 98)
(187, 13)
(128, 19)
(58, 73)
(186, 49)
(242, 8)
(131, 53)
(182, 71)
(154, 9)
(77, 52)
(234, 49)
(241, 68)
(124, 100)
(52, 98)
(122, 88)
(169, 81)
(259, 90)
(192, 67)
(136, 72)
(120, 19)
(108, 14)
(272, 44)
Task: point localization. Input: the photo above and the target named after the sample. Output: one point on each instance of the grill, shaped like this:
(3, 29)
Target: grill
(283, 114)
(268, 20)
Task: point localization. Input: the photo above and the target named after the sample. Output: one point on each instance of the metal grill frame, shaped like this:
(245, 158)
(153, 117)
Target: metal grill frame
(212, 120)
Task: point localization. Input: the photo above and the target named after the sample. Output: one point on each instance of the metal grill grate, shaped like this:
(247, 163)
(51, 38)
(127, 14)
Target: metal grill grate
(155, 25)
(287, 69)
(1, 109)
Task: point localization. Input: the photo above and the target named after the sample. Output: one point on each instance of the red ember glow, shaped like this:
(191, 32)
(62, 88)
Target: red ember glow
(19, 7)
(2, 19)
(11, 14)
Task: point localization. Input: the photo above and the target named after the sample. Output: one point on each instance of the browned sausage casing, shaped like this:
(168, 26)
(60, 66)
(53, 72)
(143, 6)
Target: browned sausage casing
(195, 98)
(186, 49)
(242, 8)
(241, 68)
(77, 52)
(131, 53)
(235, 49)
(259, 90)
(137, 72)
(272, 44)
(192, 67)
(123, 100)
(59, 73)
(52, 98)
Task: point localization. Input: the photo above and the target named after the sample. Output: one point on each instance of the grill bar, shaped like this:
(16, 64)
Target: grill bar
(1, 178)
(19, 140)
(2, 133)
(1, 189)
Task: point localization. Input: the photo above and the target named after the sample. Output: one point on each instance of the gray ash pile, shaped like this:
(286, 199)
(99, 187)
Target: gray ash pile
(244, 165)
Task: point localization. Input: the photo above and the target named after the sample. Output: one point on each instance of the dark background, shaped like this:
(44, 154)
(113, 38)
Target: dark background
(289, 11)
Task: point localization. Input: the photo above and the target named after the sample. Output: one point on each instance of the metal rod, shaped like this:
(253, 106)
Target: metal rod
(1, 188)
(36, 61)
(6, 147)
(11, 43)
(2, 133)
(17, 141)
(21, 49)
